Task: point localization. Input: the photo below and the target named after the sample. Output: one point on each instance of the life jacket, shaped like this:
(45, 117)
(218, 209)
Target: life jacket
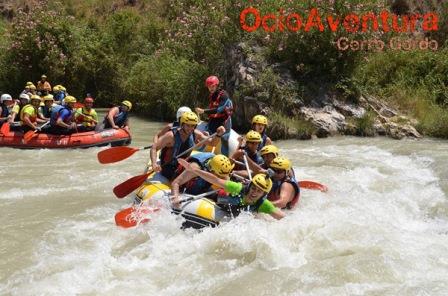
(121, 117)
(59, 96)
(198, 185)
(33, 117)
(175, 124)
(255, 157)
(56, 113)
(5, 111)
(264, 138)
(17, 118)
(234, 203)
(275, 191)
(85, 117)
(168, 154)
(216, 100)
(46, 112)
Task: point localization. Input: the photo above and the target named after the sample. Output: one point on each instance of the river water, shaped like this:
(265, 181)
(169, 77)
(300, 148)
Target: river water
(382, 229)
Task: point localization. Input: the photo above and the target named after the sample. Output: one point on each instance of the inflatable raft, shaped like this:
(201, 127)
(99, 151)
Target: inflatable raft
(153, 195)
(115, 137)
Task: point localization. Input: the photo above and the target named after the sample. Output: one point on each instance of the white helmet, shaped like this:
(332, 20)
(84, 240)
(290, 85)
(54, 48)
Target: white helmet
(181, 111)
(6, 97)
(24, 97)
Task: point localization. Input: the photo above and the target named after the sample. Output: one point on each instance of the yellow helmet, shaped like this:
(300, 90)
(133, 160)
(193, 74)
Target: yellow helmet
(35, 97)
(33, 87)
(260, 119)
(29, 83)
(70, 99)
(62, 88)
(253, 136)
(57, 88)
(189, 118)
(48, 98)
(280, 163)
(220, 165)
(263, 182)
(127, 104)
(269, 149)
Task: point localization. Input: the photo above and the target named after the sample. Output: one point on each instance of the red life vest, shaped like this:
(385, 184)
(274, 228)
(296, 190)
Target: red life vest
(215, 100)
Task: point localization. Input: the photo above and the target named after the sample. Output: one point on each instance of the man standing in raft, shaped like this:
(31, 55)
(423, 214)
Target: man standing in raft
(219, 112)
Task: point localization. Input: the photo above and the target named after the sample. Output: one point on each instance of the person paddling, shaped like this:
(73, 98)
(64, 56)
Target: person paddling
(6, 106)
(62, 119)
(86, 116)
(29, 115)
(177, 141)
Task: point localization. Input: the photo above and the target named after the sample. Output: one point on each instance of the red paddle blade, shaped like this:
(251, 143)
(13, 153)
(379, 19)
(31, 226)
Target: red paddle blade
(115, 154)
(131, 216)
(5, 128)
(28, 136)
(313, 185)
(128, 186)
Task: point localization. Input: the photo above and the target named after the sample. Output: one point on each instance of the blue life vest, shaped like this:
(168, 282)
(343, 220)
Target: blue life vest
(168, 155)
(5, 111)
(59, 96)
(264, 138)
(55, 114)
(46, 112)
(121, 117)
(198, 185)
(255, 157)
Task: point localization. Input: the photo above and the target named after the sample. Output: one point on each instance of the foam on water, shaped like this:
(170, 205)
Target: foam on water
(380, 230)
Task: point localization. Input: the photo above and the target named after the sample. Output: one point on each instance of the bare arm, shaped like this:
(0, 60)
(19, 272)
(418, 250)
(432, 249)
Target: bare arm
(163, 142)
(211, 141)
(286, 195)
(182, 179)
(111, 115)
(27, 121)
(162, 132)
(268, 141)
(278, 214)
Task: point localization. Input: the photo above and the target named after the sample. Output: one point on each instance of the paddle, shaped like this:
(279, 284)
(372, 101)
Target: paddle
(30, 134)
(303, 184)
(128, 186)
(116, 154)
(130, 216)
(247, 166)
(313, 186)
(5, 129)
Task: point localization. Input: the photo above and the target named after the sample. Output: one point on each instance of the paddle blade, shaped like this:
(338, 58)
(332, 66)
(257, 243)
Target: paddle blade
(5, 128)
(313, 185)
(125, 188)
(115, 154)
(28, 136)
(132, 216)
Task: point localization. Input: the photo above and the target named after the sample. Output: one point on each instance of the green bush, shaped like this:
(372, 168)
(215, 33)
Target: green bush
(166, 82)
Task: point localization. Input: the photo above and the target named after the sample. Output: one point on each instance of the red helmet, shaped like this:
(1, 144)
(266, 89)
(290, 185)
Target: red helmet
(211, 80)
(88, 100)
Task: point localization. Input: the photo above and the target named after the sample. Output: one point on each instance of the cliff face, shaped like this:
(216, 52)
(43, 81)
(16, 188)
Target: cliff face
(328, 113)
